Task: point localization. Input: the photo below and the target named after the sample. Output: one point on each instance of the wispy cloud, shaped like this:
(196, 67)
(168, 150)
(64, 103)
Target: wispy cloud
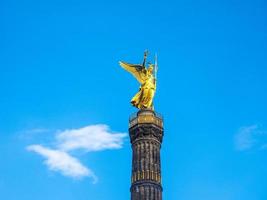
(36, 130)
(249, 137)
(33, 133)
(244, 139)
(90, 138)
(62, 162)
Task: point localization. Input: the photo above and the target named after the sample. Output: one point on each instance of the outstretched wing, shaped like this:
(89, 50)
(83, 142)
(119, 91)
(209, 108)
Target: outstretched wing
(138, 71)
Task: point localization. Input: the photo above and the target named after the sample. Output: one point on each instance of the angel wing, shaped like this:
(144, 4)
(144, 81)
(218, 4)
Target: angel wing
(138, 71)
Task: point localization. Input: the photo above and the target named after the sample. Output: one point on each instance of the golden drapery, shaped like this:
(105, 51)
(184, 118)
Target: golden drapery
(144, 97)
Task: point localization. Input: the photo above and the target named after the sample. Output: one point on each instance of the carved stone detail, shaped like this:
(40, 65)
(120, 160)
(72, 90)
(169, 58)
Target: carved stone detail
(146, 139)
(146, 131)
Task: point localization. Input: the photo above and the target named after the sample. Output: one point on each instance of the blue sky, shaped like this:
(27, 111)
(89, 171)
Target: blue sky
(60, 83)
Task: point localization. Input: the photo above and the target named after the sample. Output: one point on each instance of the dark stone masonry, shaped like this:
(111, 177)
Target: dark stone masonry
(146, 133)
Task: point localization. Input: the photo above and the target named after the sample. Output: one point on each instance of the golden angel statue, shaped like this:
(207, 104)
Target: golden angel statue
(146, 76)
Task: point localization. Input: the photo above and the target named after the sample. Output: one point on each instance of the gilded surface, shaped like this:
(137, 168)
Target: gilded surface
(146, 77)
(146, 118)
(146, 175)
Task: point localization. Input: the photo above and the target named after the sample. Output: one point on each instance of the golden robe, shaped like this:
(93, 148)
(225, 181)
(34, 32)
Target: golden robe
(144, 98)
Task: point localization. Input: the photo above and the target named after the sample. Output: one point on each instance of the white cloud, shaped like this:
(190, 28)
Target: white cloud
(244, 138)
(249, 137)
(90, 138)
(36, 130)
(32, 133)
(62, 162)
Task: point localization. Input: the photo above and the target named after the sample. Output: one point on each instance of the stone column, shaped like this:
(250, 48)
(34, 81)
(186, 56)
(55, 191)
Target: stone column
(146, 133)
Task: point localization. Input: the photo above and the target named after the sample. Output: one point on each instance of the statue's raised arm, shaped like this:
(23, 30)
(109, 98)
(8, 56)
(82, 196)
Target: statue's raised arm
(144, 98)
(145, 56)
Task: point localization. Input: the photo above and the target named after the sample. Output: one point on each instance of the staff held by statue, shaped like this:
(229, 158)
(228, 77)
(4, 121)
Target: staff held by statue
(147, 77)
